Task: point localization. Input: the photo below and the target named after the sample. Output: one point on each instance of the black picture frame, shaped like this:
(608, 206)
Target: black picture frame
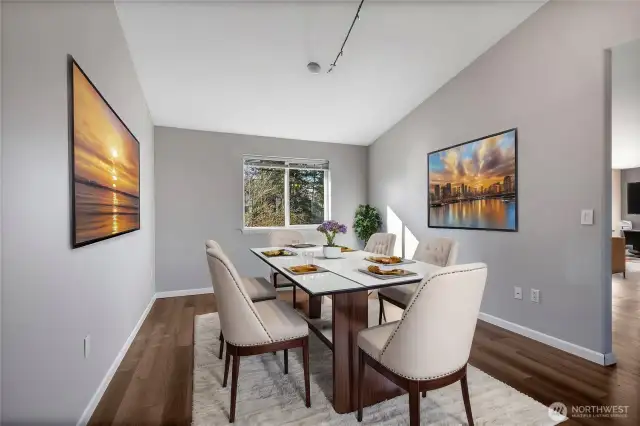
(71, 63)
(515, 229)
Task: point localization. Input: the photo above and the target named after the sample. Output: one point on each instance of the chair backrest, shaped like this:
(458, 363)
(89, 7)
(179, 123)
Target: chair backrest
(434, 336)
(437, 251)
(239, 319)
(284, 237)
(212, 244)
(381, 243)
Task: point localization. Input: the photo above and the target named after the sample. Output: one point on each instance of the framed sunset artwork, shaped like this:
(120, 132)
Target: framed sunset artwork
(105, 166)
(474, 185)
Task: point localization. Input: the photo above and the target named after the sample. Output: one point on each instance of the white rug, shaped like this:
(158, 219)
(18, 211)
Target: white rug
(266, 396)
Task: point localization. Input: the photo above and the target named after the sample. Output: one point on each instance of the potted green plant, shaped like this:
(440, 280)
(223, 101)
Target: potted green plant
(330, 228)
(367, 222)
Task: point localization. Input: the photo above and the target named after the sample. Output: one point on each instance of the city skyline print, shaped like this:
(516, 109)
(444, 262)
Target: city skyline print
(105, 166)
(474, 185)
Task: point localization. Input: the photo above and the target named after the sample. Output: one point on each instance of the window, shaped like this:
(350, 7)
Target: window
(285, 192)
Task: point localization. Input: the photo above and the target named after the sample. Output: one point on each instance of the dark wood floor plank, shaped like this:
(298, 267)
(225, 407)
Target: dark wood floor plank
(185, 336)
(177, 409)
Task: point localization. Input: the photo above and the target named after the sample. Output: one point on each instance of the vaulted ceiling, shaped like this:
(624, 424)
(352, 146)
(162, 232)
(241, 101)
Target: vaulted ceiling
(240, 66)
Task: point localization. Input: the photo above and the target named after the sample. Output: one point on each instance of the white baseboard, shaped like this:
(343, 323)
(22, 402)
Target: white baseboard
(93, 403)
(610, 359)
(563, 345)
(188, 292)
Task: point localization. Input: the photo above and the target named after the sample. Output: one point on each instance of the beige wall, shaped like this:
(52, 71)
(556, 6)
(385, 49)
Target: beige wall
(548, 79)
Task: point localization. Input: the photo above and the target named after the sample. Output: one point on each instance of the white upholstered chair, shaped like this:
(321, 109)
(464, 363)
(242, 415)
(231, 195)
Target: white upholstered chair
(429, 347)
(381, 243)
(437, 251)
(281, 238)
(253, 328)
(257, 288)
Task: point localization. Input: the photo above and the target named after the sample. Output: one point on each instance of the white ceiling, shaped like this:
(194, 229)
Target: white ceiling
(240, 67)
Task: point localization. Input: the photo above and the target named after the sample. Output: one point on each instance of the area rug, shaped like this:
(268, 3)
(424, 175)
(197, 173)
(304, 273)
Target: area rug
(266, 396)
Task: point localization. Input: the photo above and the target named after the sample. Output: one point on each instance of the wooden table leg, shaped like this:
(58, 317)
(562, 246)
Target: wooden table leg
(315, 306)
(350, 315)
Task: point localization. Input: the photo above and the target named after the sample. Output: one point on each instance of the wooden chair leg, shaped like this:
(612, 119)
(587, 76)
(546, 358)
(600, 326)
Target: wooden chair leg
(424, 394)
(286, 361)
(381, 314)
(294, 297)
(234, 387)
(226, 369)
(465, 398)
(414, 403)
(221, 338)
(305, 364)
(360, 383)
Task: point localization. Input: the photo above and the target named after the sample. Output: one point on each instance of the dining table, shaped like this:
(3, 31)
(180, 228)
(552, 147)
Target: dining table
(349, 287)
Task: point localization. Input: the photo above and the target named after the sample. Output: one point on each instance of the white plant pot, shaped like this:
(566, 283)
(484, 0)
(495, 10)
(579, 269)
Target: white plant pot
(331, 252)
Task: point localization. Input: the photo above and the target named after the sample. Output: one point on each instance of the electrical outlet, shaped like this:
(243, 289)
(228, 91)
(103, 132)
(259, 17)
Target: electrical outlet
(87, 345)
(535, 295)
(517, 293)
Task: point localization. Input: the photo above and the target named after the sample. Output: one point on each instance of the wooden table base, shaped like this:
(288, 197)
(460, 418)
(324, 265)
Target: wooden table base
(350, 315)
(315, 306)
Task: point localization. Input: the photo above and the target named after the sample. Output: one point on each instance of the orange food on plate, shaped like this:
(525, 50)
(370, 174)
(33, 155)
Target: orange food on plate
(377, 270)
(387, 260)
(344, 249)
(304, 268)
(278, 252)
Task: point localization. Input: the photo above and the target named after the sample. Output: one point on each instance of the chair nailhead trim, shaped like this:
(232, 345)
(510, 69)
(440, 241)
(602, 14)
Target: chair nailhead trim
(273, 341)
(423, 378)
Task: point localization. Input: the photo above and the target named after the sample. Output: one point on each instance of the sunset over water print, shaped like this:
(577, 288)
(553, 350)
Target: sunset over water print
(106, 167)
(474, 185)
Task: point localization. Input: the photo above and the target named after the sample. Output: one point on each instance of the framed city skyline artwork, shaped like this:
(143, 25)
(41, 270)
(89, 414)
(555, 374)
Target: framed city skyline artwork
(474, 185)
(105, 165)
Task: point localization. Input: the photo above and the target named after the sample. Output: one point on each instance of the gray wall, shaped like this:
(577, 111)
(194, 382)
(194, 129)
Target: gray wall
(629, 176)
(0, 212)
(52, 295)
(625, 97)
(199, 196)
(616, 201)
(548, 79)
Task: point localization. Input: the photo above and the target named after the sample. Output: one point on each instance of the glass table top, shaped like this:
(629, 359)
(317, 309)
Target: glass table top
(343, 274)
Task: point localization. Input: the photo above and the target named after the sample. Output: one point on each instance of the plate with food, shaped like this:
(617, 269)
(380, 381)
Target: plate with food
(386, 274)
(301, 246)
(305, 269)
(389, 260)
(345, 249)
(279, 252)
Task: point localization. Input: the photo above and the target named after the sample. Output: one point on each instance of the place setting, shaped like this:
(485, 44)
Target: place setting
(308, 266)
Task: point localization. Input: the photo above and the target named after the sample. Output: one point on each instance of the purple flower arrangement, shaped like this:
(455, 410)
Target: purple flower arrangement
(330, 228)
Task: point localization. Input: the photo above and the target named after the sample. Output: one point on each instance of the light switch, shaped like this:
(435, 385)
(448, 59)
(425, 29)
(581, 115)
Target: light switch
(586, 217)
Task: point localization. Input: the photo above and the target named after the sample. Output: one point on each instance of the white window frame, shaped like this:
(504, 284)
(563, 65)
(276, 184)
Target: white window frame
(287, 213)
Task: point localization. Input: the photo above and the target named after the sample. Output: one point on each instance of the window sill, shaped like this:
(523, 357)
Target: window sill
(278, 228)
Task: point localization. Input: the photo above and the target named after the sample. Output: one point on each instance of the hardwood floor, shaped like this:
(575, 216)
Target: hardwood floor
(153, 383)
